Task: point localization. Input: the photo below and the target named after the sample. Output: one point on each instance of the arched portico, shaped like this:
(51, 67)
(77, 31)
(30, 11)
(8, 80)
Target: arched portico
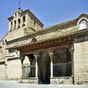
(62, 60)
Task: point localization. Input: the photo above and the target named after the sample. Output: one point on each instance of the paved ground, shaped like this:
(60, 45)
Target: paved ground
(16, 84)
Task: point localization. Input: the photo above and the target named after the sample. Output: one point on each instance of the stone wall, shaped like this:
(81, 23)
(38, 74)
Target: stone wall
(42, 36)
(19, 28)
(81, 59)
(2, 70)
(57, 33)
(2, 50)
(1, 54)
(15, 34)
(62, 80)
(14, 69)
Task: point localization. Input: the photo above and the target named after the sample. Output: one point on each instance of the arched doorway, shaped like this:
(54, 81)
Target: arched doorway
(29, 66)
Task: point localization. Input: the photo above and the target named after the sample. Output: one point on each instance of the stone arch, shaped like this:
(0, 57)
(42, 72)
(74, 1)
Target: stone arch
(26, 61)
(33, 40)
(62, 62)
(28, 66)
(32, 65)
(83, 19)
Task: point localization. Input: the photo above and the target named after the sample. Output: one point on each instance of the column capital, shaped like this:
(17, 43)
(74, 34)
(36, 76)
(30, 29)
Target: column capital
(50, 52)
(36, 56)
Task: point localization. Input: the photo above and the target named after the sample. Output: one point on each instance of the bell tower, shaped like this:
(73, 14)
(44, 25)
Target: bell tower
(24, 20)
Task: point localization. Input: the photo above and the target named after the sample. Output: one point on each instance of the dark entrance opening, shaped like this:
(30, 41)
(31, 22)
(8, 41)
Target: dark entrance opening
(29, 66)
(62, 65)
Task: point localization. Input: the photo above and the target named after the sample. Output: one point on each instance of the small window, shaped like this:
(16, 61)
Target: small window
(14, 24)
(83, 24)
(19, 23)
(34, 40)
(11, 50)
(3, 42)
(24, 20)
(34, 24)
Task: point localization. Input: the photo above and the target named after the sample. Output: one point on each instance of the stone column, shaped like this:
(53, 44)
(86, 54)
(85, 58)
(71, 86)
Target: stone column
(36, 66)
(72, 60)
(51, 56)
(27, 21)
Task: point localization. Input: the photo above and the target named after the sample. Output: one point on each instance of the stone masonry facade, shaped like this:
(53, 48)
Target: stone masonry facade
(24, 27)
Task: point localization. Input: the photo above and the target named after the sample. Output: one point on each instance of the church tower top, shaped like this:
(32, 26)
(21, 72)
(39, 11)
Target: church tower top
(19, 7)
(24, 20)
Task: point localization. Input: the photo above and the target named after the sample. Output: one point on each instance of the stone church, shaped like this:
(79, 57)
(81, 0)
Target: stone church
(26, 37)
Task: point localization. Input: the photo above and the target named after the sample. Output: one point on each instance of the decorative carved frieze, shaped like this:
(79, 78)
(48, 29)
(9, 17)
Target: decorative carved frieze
(46, 44)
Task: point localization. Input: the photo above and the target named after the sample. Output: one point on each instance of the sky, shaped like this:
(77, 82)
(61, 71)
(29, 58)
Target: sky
(49, 12)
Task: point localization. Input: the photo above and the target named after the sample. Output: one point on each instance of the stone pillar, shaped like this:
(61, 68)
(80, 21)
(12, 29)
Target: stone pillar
(72, 60)
(36, 66)
(27, 20)
(51, 56)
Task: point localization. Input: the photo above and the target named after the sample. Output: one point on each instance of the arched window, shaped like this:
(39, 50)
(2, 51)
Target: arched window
(19, 21)
(24, 19)
(62, 62)
(33, 40)
(83, 24)
(14, 24)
